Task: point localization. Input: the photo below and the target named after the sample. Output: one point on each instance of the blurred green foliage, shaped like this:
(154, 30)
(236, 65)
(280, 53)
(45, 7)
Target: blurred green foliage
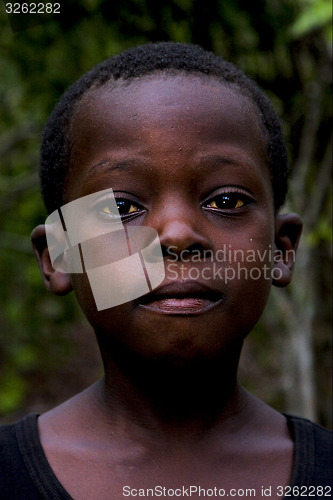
(283, 44)
(314, 15)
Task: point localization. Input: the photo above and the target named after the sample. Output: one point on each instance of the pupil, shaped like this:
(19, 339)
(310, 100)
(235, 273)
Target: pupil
(123, 206)
(226, 200)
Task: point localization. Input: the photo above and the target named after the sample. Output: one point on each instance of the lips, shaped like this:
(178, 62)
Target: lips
(182, 298)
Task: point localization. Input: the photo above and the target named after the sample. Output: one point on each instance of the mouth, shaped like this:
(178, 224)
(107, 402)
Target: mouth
(182, 298)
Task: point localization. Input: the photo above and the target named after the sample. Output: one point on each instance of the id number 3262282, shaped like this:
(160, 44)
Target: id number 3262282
(32, 8)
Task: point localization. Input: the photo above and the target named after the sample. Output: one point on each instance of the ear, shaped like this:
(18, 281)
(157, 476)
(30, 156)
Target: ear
(288, 229)
(55, 281)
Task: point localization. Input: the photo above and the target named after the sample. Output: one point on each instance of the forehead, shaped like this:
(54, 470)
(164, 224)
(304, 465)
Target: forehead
(168, 122)
(164, 100)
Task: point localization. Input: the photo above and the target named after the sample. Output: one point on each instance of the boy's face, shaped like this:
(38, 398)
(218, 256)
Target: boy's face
(186, 156)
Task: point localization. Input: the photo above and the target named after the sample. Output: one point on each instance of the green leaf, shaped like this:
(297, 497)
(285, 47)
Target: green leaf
(317, 15)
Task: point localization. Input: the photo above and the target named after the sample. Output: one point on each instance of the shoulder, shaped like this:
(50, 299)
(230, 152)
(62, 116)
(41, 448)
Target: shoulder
(305, 430)
(9, 448)
(15, 481)
(313, 450)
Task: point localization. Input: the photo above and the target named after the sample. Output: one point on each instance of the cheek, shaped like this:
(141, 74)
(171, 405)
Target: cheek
(254, 265)
(114, 321)
(84, 296)
(247, 244)
(246, 260)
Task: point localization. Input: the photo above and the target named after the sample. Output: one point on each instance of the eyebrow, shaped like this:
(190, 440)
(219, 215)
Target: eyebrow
(204, 162)
(217, 160)
(107, 165)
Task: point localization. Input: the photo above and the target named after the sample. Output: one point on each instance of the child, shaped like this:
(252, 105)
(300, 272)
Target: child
(169, 137)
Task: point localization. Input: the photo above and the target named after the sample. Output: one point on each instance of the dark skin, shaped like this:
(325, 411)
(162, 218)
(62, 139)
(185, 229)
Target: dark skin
(188, 156)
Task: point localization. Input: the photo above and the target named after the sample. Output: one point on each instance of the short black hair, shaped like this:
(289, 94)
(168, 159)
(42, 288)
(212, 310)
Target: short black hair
(143, 60)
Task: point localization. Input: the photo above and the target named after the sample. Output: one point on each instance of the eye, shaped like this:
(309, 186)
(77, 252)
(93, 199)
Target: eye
(227, 201)
(125, 207)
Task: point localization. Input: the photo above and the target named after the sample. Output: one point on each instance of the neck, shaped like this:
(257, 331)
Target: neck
(171, 396)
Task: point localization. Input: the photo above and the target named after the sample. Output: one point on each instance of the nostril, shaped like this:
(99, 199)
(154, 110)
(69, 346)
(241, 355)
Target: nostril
(181, 233)
(176, 253)
(198, 249)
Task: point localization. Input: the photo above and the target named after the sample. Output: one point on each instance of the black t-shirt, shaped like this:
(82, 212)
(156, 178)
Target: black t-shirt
(25, 473)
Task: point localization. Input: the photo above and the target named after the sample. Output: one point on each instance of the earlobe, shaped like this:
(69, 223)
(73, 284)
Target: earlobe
(288, 229)
(57, 282)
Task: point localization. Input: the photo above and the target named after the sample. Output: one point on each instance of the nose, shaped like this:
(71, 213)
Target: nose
(180, 229)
